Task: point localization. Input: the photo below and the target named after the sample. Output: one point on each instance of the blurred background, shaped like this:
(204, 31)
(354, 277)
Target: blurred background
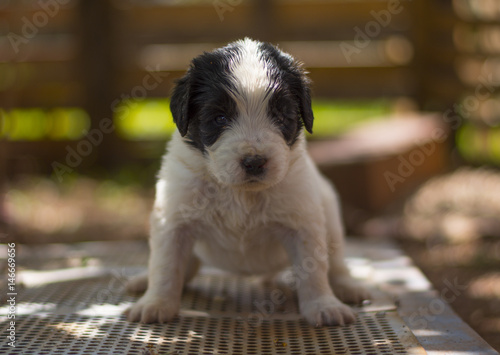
(406, 102)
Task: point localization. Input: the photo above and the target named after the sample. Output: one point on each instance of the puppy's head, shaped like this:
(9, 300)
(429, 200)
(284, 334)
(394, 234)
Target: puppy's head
(243, 107)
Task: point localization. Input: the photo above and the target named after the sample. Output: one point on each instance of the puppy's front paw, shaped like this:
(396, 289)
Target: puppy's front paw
(349, 290)
(152, 310)
(327, 310)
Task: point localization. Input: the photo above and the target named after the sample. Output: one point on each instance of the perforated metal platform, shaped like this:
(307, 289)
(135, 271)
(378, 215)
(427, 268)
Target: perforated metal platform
(78, 309)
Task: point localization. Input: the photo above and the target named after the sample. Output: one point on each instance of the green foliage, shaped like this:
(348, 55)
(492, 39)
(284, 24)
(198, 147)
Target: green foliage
(151, 120)
(480, 145)
(147, 120)
(335, 117)
(33, 124)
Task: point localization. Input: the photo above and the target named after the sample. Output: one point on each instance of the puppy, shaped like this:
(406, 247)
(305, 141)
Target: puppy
(238, 191)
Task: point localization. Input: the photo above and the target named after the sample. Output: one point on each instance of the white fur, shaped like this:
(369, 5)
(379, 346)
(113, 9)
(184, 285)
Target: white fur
(250, 72)
(206, 210)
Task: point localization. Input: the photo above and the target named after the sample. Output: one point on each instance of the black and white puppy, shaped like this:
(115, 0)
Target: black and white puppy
(238, 191)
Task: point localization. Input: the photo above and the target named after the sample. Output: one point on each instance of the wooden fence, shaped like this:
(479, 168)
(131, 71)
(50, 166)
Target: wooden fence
(94, 53)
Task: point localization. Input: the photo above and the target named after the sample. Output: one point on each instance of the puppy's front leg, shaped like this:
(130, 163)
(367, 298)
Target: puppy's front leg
(309, 276)
(170, 253)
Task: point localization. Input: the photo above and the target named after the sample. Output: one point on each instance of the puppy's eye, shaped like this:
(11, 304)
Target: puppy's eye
(220, 120)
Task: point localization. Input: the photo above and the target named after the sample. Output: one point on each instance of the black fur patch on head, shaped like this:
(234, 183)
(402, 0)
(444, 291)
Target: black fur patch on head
(202, 95)
(290, 103)
(283, 111)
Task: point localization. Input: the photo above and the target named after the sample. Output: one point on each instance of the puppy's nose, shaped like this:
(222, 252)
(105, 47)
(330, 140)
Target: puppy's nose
(254, 164)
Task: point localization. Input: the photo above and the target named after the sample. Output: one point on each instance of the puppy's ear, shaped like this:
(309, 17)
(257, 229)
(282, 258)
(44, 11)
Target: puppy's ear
(304, 95)
(180, 102)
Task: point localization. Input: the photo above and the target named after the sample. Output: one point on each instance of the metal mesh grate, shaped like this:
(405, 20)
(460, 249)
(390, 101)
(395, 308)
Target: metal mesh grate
(76, 334)
(221, 314)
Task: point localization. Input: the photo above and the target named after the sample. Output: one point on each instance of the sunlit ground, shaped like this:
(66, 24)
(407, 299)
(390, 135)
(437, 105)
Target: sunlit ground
(452, 231)
(461, 243)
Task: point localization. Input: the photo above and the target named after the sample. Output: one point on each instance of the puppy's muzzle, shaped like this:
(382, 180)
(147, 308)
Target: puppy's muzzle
(254, 165)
